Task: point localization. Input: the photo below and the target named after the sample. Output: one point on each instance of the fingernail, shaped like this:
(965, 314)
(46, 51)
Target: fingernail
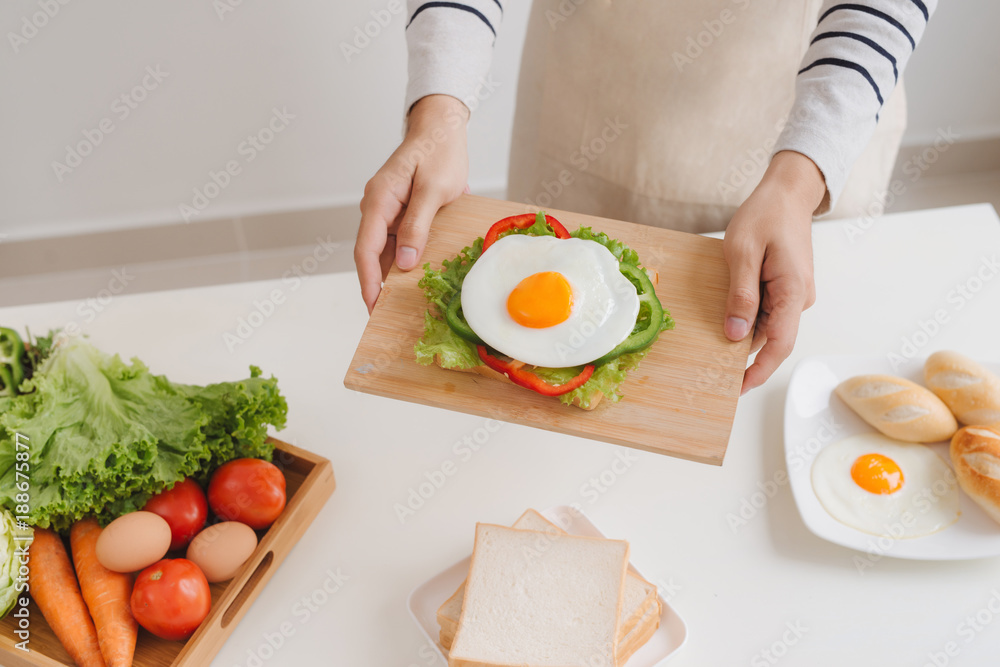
(406, 257)
(737, 328)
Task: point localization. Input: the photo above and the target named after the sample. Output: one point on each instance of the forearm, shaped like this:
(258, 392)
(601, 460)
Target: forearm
(450, 48)
(434, 112)
(857, 54)
(795, 178)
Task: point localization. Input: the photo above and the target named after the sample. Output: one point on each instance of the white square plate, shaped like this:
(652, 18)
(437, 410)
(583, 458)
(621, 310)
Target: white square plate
(815, 418)
(428, 596)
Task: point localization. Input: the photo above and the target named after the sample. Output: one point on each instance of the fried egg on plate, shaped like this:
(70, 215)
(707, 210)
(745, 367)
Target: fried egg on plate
(883, 486)
(548, 301)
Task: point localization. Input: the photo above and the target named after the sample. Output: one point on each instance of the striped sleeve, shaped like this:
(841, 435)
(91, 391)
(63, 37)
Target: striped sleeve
(450, 47)
(855, 58)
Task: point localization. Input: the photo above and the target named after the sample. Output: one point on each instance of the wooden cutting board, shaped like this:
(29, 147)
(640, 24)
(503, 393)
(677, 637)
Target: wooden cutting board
(680, 401)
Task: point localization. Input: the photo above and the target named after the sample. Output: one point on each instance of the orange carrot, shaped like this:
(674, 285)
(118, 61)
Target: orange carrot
(54, 589)
(107, 595)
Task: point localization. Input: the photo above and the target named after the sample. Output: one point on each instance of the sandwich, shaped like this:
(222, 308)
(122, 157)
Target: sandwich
(564, 314)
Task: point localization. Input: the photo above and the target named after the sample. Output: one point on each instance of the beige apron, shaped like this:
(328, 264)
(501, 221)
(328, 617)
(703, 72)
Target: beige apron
(666, 112)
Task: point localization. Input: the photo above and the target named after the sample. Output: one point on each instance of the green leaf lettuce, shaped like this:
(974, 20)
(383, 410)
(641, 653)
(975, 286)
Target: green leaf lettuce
(105, 435)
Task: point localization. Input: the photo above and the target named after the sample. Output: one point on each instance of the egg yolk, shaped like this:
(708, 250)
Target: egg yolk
(541, 300)
(877, 474)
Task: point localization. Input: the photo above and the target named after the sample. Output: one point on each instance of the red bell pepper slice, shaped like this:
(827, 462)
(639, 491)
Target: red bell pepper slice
(520, 376)
(521, 222)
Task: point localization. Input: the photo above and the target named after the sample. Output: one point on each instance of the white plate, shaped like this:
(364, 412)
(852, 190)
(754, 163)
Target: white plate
(428, 596)
(815, 418)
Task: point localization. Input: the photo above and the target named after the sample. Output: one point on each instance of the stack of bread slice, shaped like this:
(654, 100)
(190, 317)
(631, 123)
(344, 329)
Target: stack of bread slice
(538, 596)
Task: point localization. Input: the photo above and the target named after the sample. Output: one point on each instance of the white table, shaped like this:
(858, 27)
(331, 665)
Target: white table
(738, 591)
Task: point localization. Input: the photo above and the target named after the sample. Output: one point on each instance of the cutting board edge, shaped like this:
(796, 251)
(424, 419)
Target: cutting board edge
(716, 459)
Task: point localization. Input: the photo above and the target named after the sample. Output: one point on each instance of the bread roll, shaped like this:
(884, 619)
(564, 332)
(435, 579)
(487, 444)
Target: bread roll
(969, 390)
(899, 408)
(975, 453)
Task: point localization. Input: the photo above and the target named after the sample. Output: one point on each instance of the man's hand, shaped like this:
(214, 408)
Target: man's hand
(427, 171)
(768, 246)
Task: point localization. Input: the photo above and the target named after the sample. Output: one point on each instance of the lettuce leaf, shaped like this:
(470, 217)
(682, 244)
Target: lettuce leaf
(441, 285)
(538, 228)
(622, 252)
(105, 435)
(439, 339)
(13, 537)
(607, 378)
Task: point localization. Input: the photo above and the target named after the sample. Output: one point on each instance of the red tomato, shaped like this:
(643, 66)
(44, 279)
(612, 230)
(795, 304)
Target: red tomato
(250, 491)
(171, 598)
(184, 508)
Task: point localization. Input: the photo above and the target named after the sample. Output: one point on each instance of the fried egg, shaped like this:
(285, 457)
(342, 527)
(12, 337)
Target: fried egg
(882, 486)
(548, 301)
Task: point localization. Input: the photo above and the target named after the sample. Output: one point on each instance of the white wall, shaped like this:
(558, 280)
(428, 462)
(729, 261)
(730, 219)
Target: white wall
(954, 77)
(226, 74)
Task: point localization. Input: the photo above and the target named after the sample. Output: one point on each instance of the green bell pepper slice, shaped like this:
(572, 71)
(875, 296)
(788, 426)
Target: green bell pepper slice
(457, 322)
(647, 334)
(11, 361)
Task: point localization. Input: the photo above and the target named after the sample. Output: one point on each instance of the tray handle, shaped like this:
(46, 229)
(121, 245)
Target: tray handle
(248, 589)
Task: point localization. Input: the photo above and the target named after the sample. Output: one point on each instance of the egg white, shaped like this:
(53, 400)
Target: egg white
(927, 502)
(605, 303)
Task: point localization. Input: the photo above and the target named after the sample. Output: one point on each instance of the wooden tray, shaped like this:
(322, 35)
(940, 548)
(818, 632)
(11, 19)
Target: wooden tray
(309, 482)
(682, 399)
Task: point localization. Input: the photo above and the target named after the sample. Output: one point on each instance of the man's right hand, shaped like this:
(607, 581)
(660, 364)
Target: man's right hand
(428, 170)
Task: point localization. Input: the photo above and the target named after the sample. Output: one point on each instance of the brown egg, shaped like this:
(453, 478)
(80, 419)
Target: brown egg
(221, 549)
(133, 541)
